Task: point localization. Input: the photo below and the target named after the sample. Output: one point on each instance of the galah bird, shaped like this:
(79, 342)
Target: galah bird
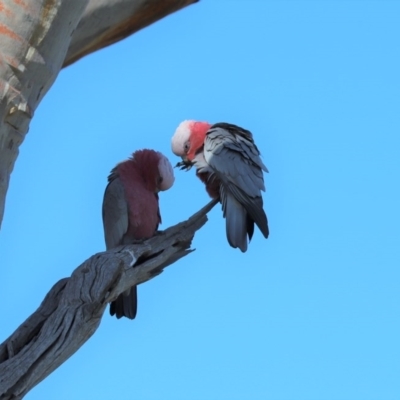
(228, 162)
(131, 211)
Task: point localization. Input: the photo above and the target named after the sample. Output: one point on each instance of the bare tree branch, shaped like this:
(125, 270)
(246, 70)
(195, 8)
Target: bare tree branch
(105, 22)
(72, 310)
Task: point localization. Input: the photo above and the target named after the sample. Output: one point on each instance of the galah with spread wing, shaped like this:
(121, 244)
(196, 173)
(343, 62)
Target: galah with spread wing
(131, 211)
(228, 162)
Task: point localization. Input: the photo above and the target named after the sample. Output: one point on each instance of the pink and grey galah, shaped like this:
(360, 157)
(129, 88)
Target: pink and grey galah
(228, 162)
(131, 211)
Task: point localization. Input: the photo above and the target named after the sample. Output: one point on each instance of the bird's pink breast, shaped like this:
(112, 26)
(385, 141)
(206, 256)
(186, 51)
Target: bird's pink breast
(142, 203)
(212, 185)
(143, 214)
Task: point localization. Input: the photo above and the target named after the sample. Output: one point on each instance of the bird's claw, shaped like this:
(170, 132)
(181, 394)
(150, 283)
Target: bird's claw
(184, 165)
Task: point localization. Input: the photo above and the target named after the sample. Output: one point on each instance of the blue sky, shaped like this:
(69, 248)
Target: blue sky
(312, 312)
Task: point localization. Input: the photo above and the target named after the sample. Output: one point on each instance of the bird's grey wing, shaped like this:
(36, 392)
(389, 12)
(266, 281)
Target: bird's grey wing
(237, 158)
(242, 137)
(115, 213)
(115, 222)
(236, 162)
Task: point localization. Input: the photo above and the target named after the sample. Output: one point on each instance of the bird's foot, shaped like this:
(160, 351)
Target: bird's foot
(184, 165)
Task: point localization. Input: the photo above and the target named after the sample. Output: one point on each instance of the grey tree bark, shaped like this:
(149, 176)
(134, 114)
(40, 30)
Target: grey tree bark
(34, 39)
(72, 310)
(38, 37)
(105, 22)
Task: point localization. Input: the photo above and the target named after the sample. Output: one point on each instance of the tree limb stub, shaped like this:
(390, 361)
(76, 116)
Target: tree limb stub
(72, 310)
(105, 22)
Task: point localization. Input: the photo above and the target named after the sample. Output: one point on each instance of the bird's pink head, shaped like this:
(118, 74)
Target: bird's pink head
(189, 138)
(156, 170)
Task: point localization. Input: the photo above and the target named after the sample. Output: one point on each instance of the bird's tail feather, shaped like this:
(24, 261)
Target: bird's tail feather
(125, 304)
(236, 223)
(254, 206)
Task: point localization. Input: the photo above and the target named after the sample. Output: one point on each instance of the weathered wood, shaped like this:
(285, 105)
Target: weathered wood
(34, 39)
(72, 310)
(105, 22)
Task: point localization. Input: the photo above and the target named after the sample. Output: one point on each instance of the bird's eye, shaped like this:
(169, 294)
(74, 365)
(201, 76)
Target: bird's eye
(186, 146)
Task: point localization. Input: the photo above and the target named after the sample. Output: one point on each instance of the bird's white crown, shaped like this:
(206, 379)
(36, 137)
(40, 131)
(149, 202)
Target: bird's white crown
(181, 136)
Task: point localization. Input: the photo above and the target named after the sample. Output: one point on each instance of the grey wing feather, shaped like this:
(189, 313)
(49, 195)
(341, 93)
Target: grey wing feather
(236, 158)
(236, 220)
(236, 161)
(115, 223)
(115, 213)
(240, 136)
